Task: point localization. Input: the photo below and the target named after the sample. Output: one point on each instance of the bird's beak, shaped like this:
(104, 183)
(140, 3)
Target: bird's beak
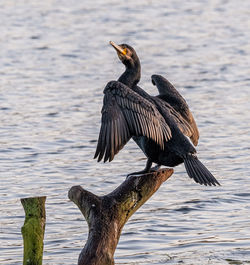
(118, 48)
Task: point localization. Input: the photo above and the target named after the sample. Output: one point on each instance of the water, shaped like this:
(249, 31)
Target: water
(55, 62)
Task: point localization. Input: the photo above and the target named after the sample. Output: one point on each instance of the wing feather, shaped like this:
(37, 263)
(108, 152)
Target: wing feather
(178, 107)
(107, 140)
(125, 114)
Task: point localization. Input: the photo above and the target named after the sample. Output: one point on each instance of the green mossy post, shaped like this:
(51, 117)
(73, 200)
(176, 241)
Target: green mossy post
(106, 215)
(33, 230)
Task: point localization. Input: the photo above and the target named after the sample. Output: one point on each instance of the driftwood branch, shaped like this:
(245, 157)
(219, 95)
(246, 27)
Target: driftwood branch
(33, 230)
(106, 215)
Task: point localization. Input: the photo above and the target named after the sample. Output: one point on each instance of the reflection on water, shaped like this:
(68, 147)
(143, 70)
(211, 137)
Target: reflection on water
(55, 62)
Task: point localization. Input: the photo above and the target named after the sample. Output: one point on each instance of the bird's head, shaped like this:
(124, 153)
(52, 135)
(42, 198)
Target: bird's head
(126, 54)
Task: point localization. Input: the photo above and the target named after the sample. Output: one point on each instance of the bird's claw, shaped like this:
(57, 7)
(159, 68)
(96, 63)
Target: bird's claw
(154, 169)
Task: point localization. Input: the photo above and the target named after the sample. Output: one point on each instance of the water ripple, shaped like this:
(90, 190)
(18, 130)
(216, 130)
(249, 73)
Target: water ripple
(55, 62)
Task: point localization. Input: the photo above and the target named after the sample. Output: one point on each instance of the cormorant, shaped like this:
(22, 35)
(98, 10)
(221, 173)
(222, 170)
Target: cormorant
(162, 126)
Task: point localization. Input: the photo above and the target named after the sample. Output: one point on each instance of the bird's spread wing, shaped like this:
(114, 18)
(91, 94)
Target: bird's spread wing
(126, 114)
(179, 107)
(186, 124)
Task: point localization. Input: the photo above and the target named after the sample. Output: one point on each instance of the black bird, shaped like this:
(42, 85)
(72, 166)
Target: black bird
(162, 126)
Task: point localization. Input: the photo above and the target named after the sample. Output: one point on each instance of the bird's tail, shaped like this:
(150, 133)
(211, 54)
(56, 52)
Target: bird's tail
(197, 171)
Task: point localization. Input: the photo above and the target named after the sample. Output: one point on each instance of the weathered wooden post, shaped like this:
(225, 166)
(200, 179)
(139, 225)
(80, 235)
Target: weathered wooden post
(33, 230)
(106, 215)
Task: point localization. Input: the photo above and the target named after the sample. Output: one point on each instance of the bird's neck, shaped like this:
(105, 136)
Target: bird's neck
(131, 76)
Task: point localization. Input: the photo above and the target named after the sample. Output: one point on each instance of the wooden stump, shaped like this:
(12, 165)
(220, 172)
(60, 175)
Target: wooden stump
(33, 230)
(106, 215)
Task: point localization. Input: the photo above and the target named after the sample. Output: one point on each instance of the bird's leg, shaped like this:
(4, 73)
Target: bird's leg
(145, 170)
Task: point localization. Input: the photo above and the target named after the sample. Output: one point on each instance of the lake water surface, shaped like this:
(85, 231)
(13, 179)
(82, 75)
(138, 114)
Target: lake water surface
(54, 64)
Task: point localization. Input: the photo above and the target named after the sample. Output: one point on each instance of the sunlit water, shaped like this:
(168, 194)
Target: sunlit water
(54, 63)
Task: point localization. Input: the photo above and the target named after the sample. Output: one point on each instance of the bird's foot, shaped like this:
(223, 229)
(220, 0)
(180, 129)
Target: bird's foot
(153, 169)
(138, 173)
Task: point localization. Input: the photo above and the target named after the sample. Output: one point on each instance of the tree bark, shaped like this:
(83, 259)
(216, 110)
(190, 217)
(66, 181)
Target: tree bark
(106, 215)
(33, 230)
